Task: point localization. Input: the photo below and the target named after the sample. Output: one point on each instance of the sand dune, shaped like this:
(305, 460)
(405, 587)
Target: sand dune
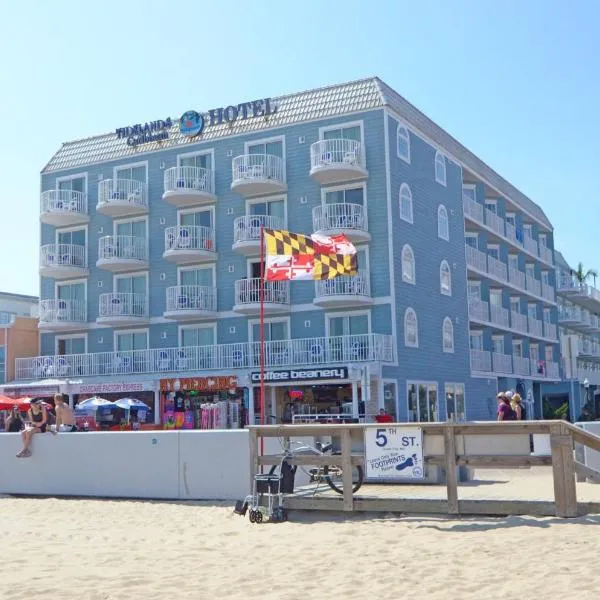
(100, 549)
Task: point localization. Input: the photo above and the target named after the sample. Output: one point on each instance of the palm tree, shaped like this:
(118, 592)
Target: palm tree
(581, 275)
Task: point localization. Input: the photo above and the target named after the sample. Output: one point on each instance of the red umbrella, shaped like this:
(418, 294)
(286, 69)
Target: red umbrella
(7, 403)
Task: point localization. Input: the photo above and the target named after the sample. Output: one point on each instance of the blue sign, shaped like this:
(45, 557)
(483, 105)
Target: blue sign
(191, 123)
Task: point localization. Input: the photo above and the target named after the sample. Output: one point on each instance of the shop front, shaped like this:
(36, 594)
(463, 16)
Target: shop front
(202, 403)
(321, 395)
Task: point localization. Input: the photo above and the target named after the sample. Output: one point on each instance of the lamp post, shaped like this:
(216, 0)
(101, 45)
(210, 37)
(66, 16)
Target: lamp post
(586, 385)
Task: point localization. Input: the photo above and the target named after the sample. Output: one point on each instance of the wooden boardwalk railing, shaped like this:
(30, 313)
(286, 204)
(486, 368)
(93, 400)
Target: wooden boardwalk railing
(446, 445)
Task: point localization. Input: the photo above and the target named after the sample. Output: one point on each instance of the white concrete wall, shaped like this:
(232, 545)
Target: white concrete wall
(591, 457)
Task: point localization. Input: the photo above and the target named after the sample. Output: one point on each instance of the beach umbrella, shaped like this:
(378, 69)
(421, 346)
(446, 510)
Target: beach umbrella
(92, 403)
(129, 403)
(6, 403)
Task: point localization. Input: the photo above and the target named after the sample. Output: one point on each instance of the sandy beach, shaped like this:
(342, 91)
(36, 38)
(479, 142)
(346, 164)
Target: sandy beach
(107, 549)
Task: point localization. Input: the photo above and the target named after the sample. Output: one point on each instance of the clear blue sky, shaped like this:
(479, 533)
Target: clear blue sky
(516, 81)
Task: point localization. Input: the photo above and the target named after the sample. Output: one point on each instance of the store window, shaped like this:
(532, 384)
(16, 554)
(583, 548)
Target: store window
(448, 335)
(445, 279)
(422, 402)
(70, 345)
(443, 224)
(406, 203)
(455, 402)
(390, 398)
(440, 168)
(411, 329)
(403, 143)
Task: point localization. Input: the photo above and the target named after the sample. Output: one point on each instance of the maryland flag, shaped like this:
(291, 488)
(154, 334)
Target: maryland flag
(291, 256)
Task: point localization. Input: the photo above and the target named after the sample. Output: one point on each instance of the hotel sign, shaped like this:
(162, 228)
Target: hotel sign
(143, 133)
(297, 375)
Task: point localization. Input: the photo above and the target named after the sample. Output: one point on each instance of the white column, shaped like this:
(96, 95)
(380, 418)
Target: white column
(250, 405)
(380, 392)
(157, 414)
(355, 400)
(273, 410)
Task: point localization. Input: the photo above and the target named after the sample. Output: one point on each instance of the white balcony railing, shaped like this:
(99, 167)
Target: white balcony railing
(546, 254)
(191, 298)
(119, 304)
(329, 217)
(476, 259)
(533, 285)
(56, 311)
(494, 222)
(550, 331)
(481, 361)
(511, 233)
(547, 292)
(570, 313)
(187, 237)
(518, 321)
(357, 285)
(248, 227)
(521, 365)
(326, 153)
(63, 255)
(552, 370)
(191, 179)
(497, 268)
(516, 278)
(535, 327)
(473, 209)
(126, 247)
(499, 316)
(63, 201)
(530, 244)
(479, 309)
(130, 191)
(249, 167)
(502, 363)
(304, 352)
(247, 291)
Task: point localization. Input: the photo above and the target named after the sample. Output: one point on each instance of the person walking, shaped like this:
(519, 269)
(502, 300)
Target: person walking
(518, 408)
(38, 418)
(505, 412)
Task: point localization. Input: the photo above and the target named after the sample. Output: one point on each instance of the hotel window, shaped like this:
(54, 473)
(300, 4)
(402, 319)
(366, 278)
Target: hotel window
(532, 310)
(411, 329)
(348, 325)
(546, 277)
(403, 143)
(274, 148)
(517, 348)
(131, 228)
(131, 340)
(351, 132)
(408, 264)
(496, 297)
(549, 353)
(354, 195)
(203, 277)
(515, 304)
(440, 168)
(497, 344)
(530, 270)
(491, 205)
(198, 218)
(445, 279)
(455, 401)
(135, 286)
(136, 173)
(510, 219)
(448, 335)
(468, 192)
(422, 402)
(472, 240)
(2, 364)
(76, 184)
(547, 315)
(70, 345)
(513, 262)
(474, 289)
(406, 203)
(73, 308)
(493, 250)
(197, 336)
(443, 224)
(75, 237)
(534, 354)
(528, 229)
(275, 331)
(476, 340)
(198, 161)
(270, 208)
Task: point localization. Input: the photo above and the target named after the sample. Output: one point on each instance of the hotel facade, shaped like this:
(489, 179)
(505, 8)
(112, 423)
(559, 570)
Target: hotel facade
(149, 262)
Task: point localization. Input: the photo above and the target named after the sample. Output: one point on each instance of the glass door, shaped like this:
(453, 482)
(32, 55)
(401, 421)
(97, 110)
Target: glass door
(422, 402)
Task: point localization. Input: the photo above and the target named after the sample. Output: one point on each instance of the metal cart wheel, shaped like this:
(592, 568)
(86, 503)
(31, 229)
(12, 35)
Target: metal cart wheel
(258, 517)
(252, 516)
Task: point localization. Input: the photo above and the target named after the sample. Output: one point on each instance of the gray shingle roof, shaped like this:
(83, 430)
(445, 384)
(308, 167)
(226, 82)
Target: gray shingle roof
(355, 96)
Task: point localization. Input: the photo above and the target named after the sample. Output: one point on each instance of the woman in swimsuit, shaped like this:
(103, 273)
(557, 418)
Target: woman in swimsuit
(38, 417)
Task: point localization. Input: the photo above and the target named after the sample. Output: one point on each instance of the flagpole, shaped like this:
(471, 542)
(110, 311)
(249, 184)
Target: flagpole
(262, 334)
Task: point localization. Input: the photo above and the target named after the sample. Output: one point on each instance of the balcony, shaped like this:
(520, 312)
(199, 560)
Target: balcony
(481, 361)
(588, 349)
(548, 292)
(499, 316)
(476, 259)
(473, 210)
(120, 253)
(333, 161)
(533, 285)
(535, 327)
(550, 331)
(518, 322)
(570, 316)
(63, 261)
(546, 254)
(344, 291)
(552, 371)
(247, 297)
(62, 315)
(63, 208)
(246, 232)
(258, 174)
(516, 278)
(186, 244)
(121, 197)
(494, 222)
(191, 302)
(118, 308)
(189, 186)
(479, 310)
(521, 365)
(530, 244)
(371, 347)
(497, 269)
(502, 363)
(581, 293)
(341, 219)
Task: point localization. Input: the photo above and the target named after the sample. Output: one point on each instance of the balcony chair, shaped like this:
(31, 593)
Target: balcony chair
(326, 158)
(184, 239)
(237, 358)
(134, 196)
(350, 157)
(163, 362)
(200, 183)
(109, 251)
(116, 308)
(63, 368)
(122, 364)
(62, 312)
(180, 183)
(183, 302)
(255, 172)
(317, 353)
(117, 195)
(66, 259)
(182, 361)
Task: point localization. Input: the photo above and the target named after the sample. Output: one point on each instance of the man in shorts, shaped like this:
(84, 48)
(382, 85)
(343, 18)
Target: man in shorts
(65, 419)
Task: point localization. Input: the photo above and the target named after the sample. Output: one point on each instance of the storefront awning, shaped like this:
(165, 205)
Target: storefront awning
(37, 388)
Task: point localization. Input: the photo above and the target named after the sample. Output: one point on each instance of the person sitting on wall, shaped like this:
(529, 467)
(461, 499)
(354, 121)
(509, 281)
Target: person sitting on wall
(38, 418)
(383, 417)
(14, 421)
(65, 418)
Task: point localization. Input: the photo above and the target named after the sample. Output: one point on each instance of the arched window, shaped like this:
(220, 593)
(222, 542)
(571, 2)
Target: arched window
(406, 203)
(408, 264)
(445, 279)
(403, 143)
(440, 168)
(411, 329)
(443, 226)
(448, 335)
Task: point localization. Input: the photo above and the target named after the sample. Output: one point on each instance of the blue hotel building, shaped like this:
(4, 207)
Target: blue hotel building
(150, 256)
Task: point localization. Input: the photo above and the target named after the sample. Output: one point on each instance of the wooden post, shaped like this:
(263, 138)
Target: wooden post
(563, 471)
(347, 469)
(253, 440)
(450, 463)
